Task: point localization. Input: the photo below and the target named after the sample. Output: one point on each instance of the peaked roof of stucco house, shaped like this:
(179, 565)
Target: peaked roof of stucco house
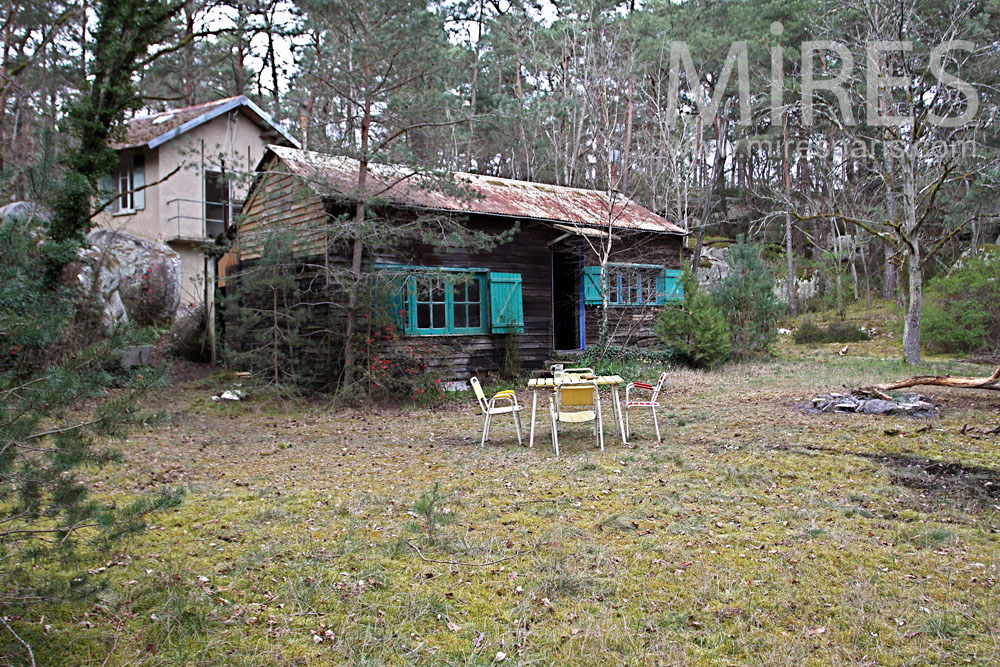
(156, 129)
(335, 177)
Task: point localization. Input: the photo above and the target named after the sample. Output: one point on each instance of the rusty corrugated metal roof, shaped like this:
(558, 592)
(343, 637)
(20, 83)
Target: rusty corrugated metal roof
(336, 176)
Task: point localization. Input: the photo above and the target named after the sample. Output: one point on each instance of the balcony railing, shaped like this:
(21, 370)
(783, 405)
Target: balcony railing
(197, 219)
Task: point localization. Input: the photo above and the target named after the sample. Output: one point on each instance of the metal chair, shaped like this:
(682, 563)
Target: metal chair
(490, 408)
(651, 403)
(583, 401)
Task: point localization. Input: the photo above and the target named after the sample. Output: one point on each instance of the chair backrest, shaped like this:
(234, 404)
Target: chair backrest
(480, 396)
(580, 371)
(659, 386)
(576, 395)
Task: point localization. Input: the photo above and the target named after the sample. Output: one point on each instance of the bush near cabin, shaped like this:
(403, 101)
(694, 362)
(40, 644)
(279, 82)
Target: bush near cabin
(962, 307)
(747, 300)
(695, 329)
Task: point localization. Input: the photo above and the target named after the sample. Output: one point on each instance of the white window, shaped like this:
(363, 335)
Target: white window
(126, 183)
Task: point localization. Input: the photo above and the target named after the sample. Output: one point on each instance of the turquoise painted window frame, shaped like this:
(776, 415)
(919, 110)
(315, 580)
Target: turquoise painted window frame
(617, 287)
(409, 298)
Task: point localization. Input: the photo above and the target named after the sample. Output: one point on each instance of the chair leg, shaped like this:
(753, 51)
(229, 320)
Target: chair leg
(555, 427)
(628, 427)
(600, 427)
(517, 425)
(486, 428)
(657, 425)
(489, 425)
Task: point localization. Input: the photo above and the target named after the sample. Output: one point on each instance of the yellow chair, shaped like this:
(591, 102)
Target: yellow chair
(575, 403)
(490, 408)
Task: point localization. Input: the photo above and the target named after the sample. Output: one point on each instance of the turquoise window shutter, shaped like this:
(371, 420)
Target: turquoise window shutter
(138, 181)
(592, 285)
(506, 308)
(398, 311)
(669, 286)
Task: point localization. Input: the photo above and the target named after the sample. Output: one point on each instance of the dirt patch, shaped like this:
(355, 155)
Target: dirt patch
(971, 484)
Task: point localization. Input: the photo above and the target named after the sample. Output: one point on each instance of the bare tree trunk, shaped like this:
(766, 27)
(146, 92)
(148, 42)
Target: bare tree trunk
(793, 306)
(305, 118)
(890, 275)
(189, 87)
(475, 85)
(357, 247)
(627, 153)
(911, 324)
(717, 167)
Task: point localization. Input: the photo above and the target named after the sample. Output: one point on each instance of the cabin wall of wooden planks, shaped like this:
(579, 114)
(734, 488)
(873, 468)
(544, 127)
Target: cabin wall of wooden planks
(633, 325)
(282, 202)
(279, 201)
(527, 253)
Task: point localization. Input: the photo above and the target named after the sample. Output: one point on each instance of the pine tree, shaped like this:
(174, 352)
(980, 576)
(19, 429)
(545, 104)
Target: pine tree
(269, 311)
(748, 302)
(47, 371)
(695, 328)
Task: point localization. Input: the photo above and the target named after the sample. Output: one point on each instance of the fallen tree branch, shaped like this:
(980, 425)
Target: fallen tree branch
(991, 382)
(31, 654)
(455, 562)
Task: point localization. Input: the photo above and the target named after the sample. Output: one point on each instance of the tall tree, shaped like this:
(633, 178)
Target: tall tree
(909, 128)
(381, 70)
(126, 29)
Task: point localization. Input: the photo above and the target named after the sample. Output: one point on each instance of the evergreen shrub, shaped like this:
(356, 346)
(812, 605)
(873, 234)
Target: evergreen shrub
(962, 307)
(695, 331)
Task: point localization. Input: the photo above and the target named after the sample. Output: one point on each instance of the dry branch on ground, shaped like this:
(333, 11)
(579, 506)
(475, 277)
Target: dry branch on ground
(959, 382)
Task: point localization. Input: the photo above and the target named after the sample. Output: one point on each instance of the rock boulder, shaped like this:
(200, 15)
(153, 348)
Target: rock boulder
(137, 279)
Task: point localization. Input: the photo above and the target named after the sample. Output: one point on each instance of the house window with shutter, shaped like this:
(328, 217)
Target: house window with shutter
(633, 285)
(434, 301)
(127, 184)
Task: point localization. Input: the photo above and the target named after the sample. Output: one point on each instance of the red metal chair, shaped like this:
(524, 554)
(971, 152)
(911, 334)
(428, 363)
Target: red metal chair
(651, 403)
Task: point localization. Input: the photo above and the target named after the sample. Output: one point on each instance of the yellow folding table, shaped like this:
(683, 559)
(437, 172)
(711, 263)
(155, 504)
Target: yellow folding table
(612, 381)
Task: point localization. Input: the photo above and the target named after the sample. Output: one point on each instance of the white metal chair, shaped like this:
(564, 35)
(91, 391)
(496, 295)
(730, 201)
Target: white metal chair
(490, 408)
(651, 403)
(575, 396)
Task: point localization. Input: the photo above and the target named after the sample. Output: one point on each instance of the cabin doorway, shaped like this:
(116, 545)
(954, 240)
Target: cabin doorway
(566, 299)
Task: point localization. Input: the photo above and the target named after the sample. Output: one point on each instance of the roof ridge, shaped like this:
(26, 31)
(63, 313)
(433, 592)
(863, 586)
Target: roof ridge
(221, 100)
(512, 181)
(498, 196)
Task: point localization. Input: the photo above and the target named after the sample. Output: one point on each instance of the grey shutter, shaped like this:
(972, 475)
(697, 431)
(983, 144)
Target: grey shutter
(138, 180)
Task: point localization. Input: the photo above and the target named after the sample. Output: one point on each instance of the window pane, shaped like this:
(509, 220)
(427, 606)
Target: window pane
(461, 321)
(437, 294)
(474, 291)
(125, 184)
(474, 320)
(458, 291)
(423, 316)
(439, 309)
(649, 287)
(423, 289)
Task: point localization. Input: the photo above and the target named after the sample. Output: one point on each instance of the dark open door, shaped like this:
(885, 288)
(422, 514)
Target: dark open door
(566, 298)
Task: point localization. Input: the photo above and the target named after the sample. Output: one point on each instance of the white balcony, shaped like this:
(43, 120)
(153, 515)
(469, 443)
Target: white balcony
(197, 220)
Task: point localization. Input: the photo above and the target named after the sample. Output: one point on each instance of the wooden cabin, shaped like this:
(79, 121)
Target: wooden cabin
(461, 308)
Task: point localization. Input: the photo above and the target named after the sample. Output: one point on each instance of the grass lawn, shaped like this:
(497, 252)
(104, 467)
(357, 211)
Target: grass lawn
(754, 534)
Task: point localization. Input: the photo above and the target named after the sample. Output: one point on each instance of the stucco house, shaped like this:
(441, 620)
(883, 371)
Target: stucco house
(195, 163)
